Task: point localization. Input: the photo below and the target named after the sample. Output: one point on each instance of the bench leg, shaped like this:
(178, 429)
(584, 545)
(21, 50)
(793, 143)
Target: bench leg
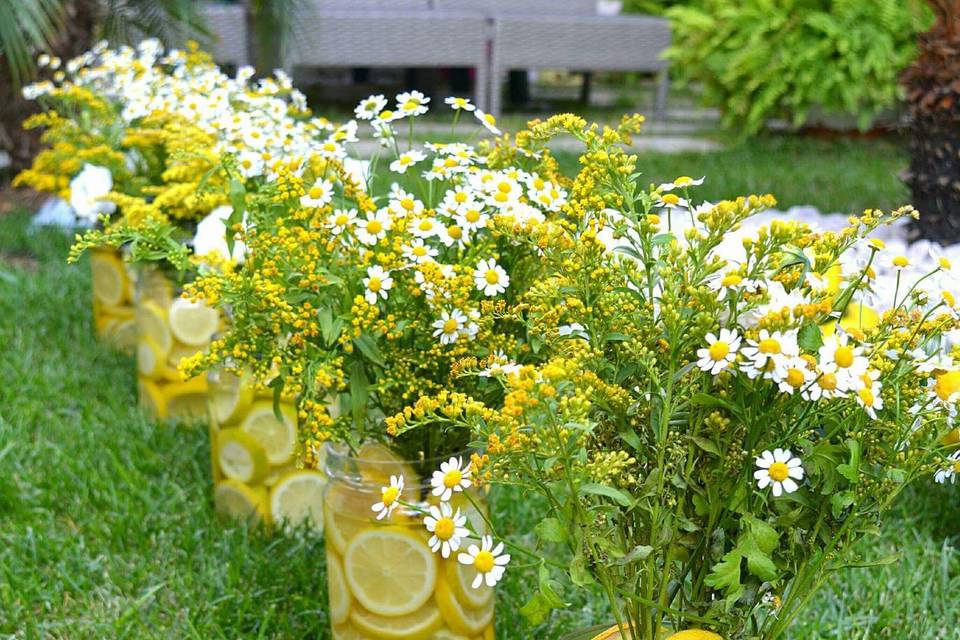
(663, 88)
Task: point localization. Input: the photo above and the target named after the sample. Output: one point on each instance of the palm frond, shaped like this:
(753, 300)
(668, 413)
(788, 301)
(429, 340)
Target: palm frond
(171, 21)
(27, 28)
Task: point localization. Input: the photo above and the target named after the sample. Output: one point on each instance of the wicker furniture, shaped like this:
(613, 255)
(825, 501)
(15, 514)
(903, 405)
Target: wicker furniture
(365, 33)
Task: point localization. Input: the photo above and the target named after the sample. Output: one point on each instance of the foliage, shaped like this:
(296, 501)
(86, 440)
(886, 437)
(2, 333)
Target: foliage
(762, 59)
(723, 417)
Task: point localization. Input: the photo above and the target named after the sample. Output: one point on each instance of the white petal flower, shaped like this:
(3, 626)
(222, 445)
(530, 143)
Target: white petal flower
(780, 469)
(447, 528)
(318, 195)
(720, 352)
(389, 498)
(452, 477)
(490, 278)
(489, 561)
(87, 190)
(378, 282)
(458, 104)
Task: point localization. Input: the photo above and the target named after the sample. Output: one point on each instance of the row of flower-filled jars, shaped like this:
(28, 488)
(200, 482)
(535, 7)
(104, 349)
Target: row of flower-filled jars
(384, 580)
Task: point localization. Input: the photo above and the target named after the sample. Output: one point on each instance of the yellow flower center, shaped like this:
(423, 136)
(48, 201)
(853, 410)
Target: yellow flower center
(492, 277)
(504, 187)
(472, 215)
(779, 471)
(653, 219)
(947, 384)
(246, 163)
(445, 528)
(769, 346)
(949, 299)
(501, 197)
(670, 198)
(867, 396)
(828, 381)
(374, 284)
(450, 326)
(407, 203)
(484, 562)
(374, 226)
(329, 146)
(844, 357)
(876, 243)
(450, 163)
(419, 251)
(389, 495)
(426, 225)
(490, 119)
(795, 377)
(719, 350)
(386, 114)
(731, 280)
(944, 264)
(452, 478)
(316, 192)
(901, 261)
(538, 184)
(454, 232)
(411, 104)
(460, 197)
(341, 220)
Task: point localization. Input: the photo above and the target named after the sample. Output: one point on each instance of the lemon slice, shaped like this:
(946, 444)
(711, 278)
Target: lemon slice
(122, 333)
(390, 571)
(695, 634)
(109, 278)
(337, 592)
(418, 625)
(458, 617)
(278, 436)
(155, 286)
(193, 323)
(187, 399)
(241, 457)
(152, 400)
(150, 360)
(346, 513)
(446, 634)
(152, 323)
(489, 633)
(378, 463)
(180, 351)
(347, 631)
(236, 501)
(298, 498)
(230, 397)
(459, 578)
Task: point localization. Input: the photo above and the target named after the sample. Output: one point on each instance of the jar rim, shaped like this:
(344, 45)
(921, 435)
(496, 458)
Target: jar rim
(342, 465)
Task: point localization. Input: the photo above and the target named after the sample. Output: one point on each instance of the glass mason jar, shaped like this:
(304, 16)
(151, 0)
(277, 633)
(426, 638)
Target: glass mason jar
(253, 449)
(113, 293)
(599, 632)
(383, 579)
(170, 328)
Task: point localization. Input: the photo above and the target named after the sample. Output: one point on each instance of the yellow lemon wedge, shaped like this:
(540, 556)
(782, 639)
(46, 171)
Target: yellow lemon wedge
(236, 501)
(230, 397)
(278, 436)
(337, 592)
(418, 625)
(446, 634)
(346, 513)
(150, 359)
(187, 399)
(152, 323)
(297, 499)
(695, 634)
(346, 631)
(109, 278)
(951, 439)
(152, 401)
(458, 617)
(193, 323)
(390, 571)
(241, 457)
(121, 332)
(460, 578)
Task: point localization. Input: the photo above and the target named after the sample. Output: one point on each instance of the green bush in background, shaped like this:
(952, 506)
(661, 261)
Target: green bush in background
(762, 59)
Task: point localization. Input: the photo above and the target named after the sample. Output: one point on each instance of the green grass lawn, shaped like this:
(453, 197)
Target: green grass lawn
(106, 523)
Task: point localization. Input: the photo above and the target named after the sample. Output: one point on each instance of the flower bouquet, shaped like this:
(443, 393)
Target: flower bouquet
(725, 410)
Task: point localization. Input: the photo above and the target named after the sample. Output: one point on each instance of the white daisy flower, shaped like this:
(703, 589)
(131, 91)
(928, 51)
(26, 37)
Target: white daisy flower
(378, 282)
(375, 227)
(671, 201)
(488, 121)
(947, 473)
(900, 263)
(340, 220)
(945, 388)
(406, 160)
(452, 477)
(681, 183)
(489, 561)
(763, 354)
(490, 278)
(792, 374)
(780, 469)
(838, 354)
(418, 253)
(720, 352)
(459, 104)
(425, 227)
(412, 103)
(471, 217)
(453, 235)
(826, 386)
(868, 392)
(318, 195)
(369, 108)
(447, 528)
(331, 149)
(389, 498)
(573, 329)
(450, 326)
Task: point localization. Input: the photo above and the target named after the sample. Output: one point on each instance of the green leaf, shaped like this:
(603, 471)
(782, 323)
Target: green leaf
(707, 445)
(616, 337)
(839, 502)
(550, 530)
(368, 347)
(725, 575)
(548, 589)
(763, 534)
(620, 497)
(536, 610)
(579, 571)
(758, 563)
(810, 337)
(637, 554)
(851, 469)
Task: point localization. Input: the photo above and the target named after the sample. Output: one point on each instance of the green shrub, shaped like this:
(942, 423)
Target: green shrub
(759, 59)
(655, 7)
